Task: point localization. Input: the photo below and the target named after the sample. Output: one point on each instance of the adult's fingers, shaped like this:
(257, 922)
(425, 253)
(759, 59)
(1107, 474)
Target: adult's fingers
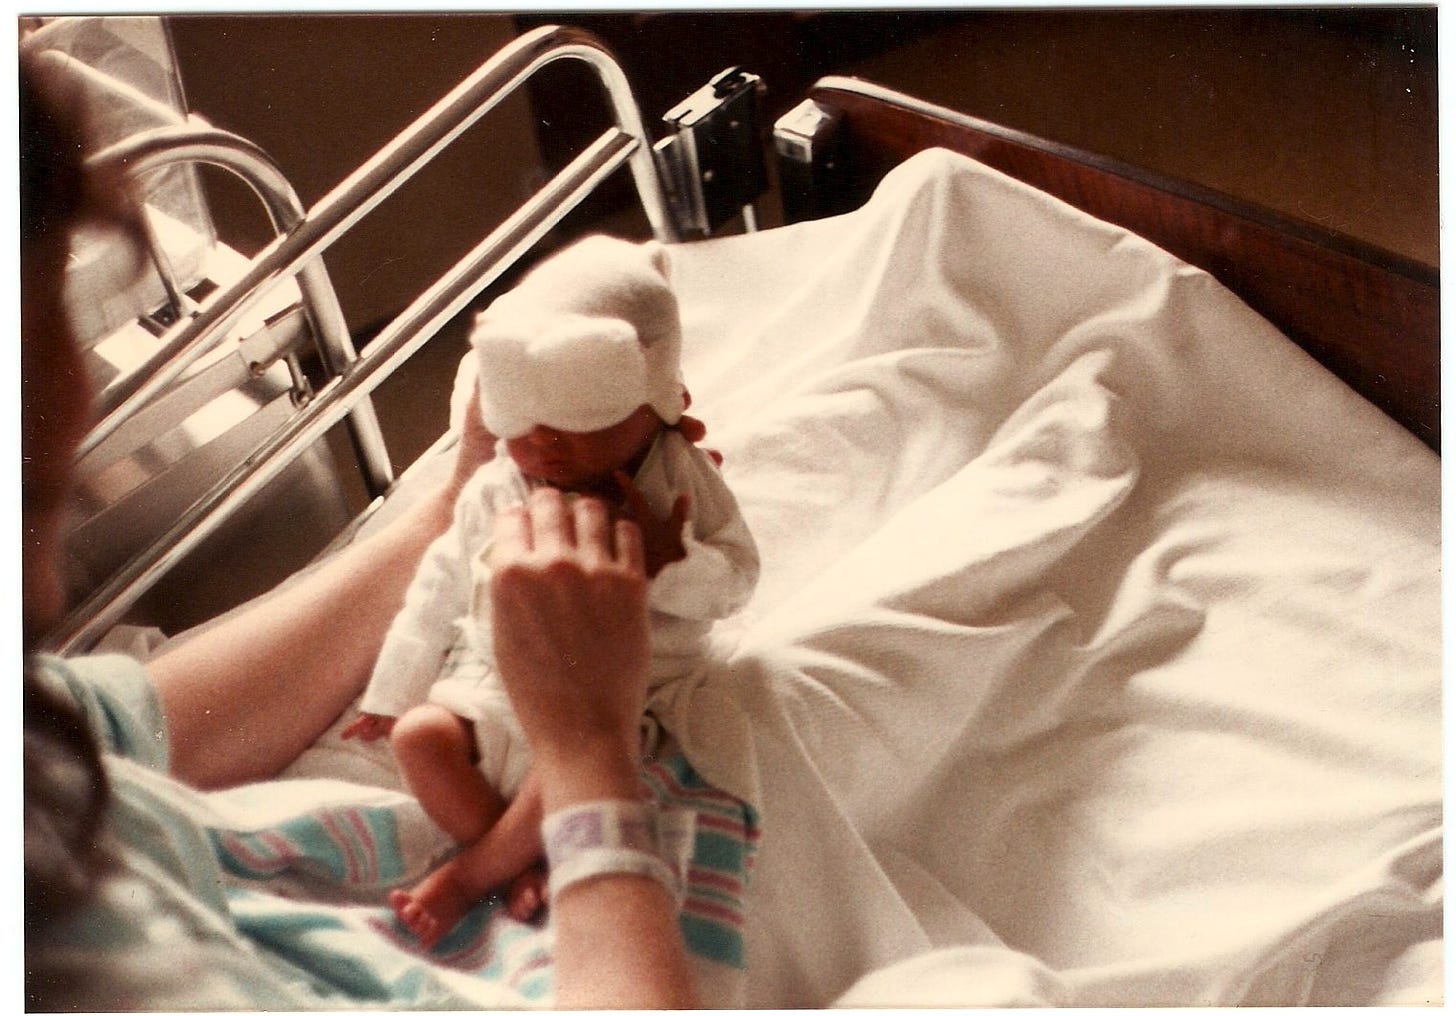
(594, 532)
(465, 392)
(553, 529)
(510, 536)
(629, 546)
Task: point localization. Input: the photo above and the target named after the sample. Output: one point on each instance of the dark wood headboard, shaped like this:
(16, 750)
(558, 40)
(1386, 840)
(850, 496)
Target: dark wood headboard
(1371, 317)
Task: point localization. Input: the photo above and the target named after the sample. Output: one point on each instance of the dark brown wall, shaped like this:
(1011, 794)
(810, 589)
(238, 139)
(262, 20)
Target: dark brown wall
(1324, 114)
(321, 94)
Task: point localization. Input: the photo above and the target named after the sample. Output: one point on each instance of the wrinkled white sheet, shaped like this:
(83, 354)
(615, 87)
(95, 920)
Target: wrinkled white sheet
(1096, 659)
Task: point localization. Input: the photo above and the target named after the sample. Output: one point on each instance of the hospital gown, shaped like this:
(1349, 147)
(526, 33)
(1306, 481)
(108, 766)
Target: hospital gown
(270, 896)
(166, 931)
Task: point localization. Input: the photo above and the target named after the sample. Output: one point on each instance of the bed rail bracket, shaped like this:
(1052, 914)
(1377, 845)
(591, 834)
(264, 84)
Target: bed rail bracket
(808, 143)
(712, 159)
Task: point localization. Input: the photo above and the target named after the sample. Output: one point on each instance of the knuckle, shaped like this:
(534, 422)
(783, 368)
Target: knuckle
(624, 582)
(510, 578)
(560, 570)
(543, 496)
(591, 507)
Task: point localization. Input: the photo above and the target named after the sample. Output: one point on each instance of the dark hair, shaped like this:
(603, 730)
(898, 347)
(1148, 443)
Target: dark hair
(52, 178)
(65, 787)
(58, 191)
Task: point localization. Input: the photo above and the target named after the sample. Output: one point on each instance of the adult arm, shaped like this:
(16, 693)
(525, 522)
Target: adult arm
(569, 603)
(618, 943)
(244, 697)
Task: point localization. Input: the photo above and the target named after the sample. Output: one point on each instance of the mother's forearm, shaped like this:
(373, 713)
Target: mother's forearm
(244, 697)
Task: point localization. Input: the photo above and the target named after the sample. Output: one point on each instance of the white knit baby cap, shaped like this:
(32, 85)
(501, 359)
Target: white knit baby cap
(586, 337)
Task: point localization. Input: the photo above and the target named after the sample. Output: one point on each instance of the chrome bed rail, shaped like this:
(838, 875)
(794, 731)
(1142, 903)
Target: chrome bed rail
(167, 146)
(626, 142)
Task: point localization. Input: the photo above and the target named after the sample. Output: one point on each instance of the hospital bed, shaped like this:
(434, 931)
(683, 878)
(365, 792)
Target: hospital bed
(1097, 654)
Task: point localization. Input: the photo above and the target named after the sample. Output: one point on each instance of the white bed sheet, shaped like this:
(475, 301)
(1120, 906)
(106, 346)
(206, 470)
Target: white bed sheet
(1096, 659)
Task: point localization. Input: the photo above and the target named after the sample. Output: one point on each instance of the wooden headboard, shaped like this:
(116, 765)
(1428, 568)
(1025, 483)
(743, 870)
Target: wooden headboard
(1371, 317)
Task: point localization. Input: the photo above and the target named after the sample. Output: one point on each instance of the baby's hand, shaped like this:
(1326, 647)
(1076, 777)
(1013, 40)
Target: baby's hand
(662, 541)
(695, 431)
(369, 727)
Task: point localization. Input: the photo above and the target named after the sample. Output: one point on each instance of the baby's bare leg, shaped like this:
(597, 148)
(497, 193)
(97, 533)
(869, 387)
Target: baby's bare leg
(435, 750)
(510, 848)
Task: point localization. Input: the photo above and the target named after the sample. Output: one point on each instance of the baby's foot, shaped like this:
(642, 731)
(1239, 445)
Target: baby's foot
(527, 894)
(434, 906)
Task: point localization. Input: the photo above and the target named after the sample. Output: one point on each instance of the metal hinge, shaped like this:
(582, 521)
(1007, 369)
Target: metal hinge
(713, 161)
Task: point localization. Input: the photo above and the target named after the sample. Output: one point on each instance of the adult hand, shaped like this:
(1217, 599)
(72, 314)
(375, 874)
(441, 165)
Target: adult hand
(569, 601)
(569, 608)
(477, 445)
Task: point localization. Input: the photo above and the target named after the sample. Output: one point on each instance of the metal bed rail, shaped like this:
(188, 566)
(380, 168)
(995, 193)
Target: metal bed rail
(626, 142)
(192, 143)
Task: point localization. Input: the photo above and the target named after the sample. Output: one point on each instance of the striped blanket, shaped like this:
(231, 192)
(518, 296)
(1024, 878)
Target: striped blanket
(307, 884)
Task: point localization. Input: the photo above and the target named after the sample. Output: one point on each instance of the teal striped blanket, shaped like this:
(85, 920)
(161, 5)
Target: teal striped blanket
(308, 885)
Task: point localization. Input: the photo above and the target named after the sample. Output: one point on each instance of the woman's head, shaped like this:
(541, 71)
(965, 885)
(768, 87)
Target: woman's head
(57, 195)
(65, 788)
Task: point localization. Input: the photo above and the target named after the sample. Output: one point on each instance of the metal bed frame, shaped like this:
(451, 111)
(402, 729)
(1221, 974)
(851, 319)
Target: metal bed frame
(302, 237)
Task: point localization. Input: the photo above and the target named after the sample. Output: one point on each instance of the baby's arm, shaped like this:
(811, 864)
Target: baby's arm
(714, 578)
(421, 633)
(719, 566)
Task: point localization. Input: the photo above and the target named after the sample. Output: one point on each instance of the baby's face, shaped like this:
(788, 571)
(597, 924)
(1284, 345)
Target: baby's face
(584, 461)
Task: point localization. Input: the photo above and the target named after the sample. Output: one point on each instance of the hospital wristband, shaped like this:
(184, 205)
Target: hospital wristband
(599, 838)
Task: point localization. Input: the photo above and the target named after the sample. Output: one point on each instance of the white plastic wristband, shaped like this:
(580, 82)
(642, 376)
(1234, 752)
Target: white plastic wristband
(619, 837)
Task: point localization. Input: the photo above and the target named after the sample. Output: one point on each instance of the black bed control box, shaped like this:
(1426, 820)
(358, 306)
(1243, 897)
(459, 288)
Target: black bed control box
(808, 142)
(713, 160)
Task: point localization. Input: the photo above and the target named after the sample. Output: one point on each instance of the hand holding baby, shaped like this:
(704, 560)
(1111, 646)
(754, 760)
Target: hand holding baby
(569, 604)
